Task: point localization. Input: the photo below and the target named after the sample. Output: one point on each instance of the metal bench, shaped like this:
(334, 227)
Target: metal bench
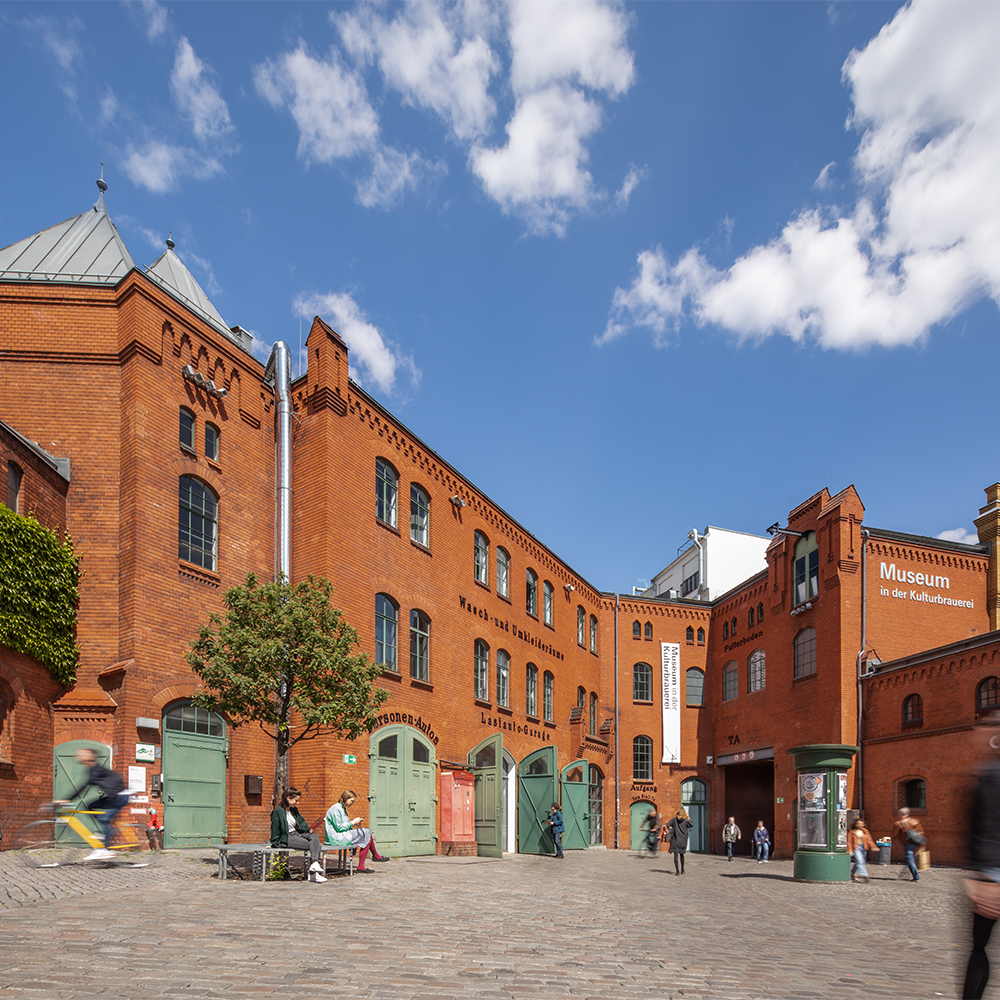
(264, 855)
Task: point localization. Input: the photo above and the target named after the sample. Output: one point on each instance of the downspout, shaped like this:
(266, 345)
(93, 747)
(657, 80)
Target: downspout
(279, 373)
(618, 795)
(696, 538)
(861, 653)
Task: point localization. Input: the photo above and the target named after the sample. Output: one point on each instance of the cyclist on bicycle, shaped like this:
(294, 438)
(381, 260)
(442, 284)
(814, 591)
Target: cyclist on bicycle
(113, 798)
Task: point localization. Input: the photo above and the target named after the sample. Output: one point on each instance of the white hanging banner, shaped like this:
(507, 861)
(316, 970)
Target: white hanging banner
(670, 689)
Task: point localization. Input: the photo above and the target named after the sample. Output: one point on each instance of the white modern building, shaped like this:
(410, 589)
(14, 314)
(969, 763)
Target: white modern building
(710, 563)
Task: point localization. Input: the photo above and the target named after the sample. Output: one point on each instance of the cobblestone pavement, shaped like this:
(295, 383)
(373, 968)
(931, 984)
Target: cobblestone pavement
(601, 924)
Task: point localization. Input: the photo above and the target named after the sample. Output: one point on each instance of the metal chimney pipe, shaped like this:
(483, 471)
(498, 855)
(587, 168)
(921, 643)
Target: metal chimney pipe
(278, 372)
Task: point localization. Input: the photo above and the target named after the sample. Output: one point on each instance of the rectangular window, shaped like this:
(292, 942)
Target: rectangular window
(385, 632)
(547, 696)
(690, 584)
(755, 671)
(503, 679)
(503, 573)
(593, 714)
(13, 487)
(187, 430)
(481, 559)
(547, 603)
(531, 691)
(482, 680)
(593, 633)
(807, 576)
(212, 442)
(420, 516)
(420, 646)
(730, 682)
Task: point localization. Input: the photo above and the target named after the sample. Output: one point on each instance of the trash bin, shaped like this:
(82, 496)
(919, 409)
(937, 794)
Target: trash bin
(884, 853)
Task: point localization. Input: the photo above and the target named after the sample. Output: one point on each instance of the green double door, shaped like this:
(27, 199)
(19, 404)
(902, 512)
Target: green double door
(576, 805)
(68, 775)
(195, 747)
(401, 791)
(537, 777)
(485, 761)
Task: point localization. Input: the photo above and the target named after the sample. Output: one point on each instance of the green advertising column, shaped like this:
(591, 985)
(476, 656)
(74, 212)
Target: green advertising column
(821, 841)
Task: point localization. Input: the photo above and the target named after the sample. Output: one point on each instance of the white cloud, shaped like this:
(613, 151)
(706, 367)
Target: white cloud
(560, 50)
(960, 535)
(58, 38)
(328, 101)
(422, 54)
(197, 96)
(155, 16)
(159, 166)
(631, 182)
(377, 357)
(823, 181)
(393, 174)
(922, 241)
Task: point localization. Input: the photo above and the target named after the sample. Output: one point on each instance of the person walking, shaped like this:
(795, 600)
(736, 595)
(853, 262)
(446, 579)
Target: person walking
(555, 822)
(761, 843)
(730, 834)
(984, 860)
(651, 824)
(859, 843)
(677, 832)
(911, 834)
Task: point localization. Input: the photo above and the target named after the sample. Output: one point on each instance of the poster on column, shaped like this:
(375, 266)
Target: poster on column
(670, 688)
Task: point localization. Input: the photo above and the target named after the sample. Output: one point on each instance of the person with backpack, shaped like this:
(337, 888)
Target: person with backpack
(113, 798)
(911, 833)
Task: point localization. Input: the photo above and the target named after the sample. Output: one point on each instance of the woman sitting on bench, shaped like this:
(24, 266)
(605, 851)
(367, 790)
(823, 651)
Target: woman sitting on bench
(289, 829)
(344, 832)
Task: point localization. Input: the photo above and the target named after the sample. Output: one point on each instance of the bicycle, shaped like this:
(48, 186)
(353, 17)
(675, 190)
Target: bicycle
(65, 840)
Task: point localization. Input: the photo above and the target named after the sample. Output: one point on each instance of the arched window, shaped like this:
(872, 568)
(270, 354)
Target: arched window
(420, 516)
(732, 628)
(730, 680)
(647, 630)
(420, 646)
(14, 477)
(695, 686)
(913, 710)
(642, 759)
(806, 568)
(212, 437)
(725, 630)
(581, 697)
(581, 624)
(593, 633)
(482, 671)
(187, 429)
(689, 634)
(503, 678)
(548, 685)
(911, 793)
(593, 714)
(805, 653)
(481, 558)
(750, 618)
(531, 690)
(756, 675)
(701, 637)
(198, 523)
(548, 601)
(503, 572)
(642, 682)
(636, 629)
(760, 613)
(386, 490)
(184, 717)
(386, 625)
(531, 592)
(988, 694)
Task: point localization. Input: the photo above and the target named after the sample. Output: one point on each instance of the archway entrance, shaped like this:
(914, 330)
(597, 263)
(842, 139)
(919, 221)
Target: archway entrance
(194, 776)
(638, 811)
(694, 798)
(401, 796)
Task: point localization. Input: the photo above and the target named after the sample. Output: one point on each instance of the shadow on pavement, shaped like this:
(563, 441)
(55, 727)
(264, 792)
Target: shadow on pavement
(767, 875)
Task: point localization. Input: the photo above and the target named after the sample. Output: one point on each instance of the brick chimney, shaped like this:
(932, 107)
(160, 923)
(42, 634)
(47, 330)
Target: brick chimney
(988, 525)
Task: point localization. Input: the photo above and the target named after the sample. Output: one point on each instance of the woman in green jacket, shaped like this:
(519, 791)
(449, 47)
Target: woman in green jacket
(289, 829)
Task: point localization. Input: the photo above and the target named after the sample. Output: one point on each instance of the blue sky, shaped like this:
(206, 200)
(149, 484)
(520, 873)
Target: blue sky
(632, 269)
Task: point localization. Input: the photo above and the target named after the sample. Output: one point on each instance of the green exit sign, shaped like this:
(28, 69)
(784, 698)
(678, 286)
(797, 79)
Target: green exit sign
(350, 758)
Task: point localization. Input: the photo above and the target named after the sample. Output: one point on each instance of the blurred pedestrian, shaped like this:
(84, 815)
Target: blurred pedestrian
(984, 859)
(859, 843)
(677, 832)
(730, 834)
(761, 843)
(911, 834)
(651, 824)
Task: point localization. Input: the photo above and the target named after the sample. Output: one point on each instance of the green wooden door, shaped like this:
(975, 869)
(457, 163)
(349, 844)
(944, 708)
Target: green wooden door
(575, 805)
(694, 798)
(68, 775)
(194, 777)
(385, 795)
(420, 775)
(536, 791)
(636, 831)
(486, 762)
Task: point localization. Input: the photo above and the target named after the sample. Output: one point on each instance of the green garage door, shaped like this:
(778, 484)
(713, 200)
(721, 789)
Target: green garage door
(536, 791)
(68, 775)
(401, 791)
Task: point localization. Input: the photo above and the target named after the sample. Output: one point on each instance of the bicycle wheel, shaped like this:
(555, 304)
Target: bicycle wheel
(36, 846)
(130, 847)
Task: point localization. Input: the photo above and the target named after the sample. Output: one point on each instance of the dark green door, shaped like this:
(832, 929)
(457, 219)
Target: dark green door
(575, 805)
(636, 831)
(194, 776)
(536, 791)
(68, 776)
(694, 798)
(486, 763)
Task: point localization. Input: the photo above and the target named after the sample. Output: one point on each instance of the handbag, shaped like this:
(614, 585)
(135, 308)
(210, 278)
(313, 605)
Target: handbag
(915, 838)
(984, 897)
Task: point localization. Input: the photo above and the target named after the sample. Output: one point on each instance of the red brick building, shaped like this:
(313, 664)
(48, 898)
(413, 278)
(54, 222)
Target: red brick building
(501, 660)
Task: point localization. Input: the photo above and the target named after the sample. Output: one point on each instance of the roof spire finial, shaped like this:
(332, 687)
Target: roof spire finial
(102, 187)
(99, 205)
(170, 242)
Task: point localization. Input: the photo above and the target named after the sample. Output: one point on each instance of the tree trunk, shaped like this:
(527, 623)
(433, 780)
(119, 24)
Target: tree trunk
(280, 765)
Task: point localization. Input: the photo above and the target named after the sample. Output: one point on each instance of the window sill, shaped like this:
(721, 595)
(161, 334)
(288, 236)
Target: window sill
(391, 675)
(701, 706)
(804, 678)
(504, 597)
(549, 626)
(193, 572)
(504, 710)
(420, 548)
(214, 465)
(531, 614)
(549, 723)
(913, 724)
(388, 527)
(533, 718)
(188, 450)
(642, 701)
(482, 586)
(594, 652)
(482, 703)
(415, 682)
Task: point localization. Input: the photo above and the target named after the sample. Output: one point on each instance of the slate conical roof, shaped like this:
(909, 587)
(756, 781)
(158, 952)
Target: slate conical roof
(85, 250)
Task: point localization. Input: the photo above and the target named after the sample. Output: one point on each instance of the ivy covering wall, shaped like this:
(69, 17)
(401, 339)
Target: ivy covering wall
(39, 591)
